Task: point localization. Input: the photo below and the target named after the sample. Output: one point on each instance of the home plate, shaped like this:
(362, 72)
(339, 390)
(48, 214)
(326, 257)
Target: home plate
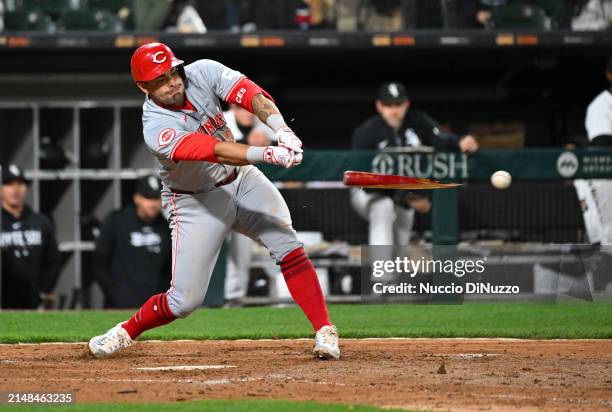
(185, 367)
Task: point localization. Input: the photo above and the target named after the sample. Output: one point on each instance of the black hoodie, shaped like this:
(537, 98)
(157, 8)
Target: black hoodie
(132, 259)
(31, 261)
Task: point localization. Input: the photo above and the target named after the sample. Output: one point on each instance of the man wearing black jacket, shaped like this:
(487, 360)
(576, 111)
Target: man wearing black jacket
(133, 252)
(31, 261)
(398, 125)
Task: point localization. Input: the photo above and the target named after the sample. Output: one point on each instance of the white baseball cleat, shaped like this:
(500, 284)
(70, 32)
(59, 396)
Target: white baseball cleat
(112, 341)
(326, 343)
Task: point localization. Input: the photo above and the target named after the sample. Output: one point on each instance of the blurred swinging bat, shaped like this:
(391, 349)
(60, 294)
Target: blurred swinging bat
(383, 181)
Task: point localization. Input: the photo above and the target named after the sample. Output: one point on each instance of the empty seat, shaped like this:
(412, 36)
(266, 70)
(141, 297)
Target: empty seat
(113, 6)
(121, 8)
(85, 20)
(54, 7)
(33, 20)
(520, 16)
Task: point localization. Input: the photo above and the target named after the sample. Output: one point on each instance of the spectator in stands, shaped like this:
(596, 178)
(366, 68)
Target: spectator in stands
(471, 13)
(490, 13)
(592, 15)
(396, 124)
(374, 15)
(322, 14)
(246, 128)
(151, 15)
(133, 253)
(30, 259)
(219, 14)
(247, 16)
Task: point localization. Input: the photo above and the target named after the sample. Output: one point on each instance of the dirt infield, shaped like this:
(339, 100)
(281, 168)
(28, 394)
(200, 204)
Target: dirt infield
(433, 374)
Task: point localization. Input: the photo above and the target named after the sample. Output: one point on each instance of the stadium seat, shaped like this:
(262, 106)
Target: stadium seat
(113, 6)
(48, 6)
(519, 16)
(83, 20)
(120, 8)
(32, 20)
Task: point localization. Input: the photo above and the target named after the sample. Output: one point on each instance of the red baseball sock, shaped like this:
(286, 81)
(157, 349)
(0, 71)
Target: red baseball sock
(304, 287)
(155, 312)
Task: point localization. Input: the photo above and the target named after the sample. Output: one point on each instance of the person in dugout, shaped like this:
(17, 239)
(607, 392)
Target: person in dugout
(30, 261)
(133, 253)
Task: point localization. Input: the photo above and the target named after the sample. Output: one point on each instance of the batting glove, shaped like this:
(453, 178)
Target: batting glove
(298, 158)
(279, 156)
(286, 138)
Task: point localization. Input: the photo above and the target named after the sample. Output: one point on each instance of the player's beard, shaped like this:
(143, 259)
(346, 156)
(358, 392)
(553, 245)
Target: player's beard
(176, 98)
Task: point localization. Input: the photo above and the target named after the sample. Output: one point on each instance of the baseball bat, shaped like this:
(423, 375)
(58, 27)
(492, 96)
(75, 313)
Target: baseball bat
(384, 181)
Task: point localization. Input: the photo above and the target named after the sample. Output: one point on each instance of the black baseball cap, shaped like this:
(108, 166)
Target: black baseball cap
(11, 173)
(149, 187)
(392, 93)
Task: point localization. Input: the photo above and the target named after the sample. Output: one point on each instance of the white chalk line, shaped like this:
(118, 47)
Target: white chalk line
(184, 367)
(225, 381)
(147, 380)
(466, 356)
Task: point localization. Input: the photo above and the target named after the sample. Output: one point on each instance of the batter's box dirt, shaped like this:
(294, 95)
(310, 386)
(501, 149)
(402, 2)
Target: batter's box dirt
(479, 374)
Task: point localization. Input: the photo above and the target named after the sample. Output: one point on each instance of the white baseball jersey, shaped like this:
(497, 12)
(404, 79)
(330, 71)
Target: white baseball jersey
(207, 82)
(598, 120)
(595, 195)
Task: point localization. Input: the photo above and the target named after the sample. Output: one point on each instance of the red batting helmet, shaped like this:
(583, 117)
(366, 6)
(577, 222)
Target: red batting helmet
(151, 60)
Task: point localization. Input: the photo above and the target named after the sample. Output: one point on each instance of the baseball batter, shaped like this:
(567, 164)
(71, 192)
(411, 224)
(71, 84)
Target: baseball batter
(211, 188)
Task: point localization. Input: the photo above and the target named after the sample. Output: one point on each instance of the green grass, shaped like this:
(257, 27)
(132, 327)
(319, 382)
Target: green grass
(588, 320)
(208, 406)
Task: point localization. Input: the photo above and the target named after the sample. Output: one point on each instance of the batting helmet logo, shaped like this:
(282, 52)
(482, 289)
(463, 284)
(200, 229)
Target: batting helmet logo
(151, 60)
(155, 58)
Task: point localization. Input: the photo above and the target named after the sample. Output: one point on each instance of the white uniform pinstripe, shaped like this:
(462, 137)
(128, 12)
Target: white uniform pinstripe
(598, 120)
(595, 195)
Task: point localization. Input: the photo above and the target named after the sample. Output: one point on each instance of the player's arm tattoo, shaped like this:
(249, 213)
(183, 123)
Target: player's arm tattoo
(263, 107)
(232, 153)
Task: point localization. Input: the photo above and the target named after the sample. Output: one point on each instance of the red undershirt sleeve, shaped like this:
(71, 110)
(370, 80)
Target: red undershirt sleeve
(242, 93)
(196, 146)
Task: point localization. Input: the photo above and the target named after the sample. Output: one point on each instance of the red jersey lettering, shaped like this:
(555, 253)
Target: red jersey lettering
(243, 92)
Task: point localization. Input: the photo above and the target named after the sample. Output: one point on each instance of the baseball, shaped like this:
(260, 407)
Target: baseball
(501, 179)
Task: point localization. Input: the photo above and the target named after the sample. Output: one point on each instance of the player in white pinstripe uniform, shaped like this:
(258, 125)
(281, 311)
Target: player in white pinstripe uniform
(595, 195)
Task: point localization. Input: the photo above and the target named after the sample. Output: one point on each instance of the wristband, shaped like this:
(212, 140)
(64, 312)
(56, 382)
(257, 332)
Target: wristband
(255, 154)
(276, 121)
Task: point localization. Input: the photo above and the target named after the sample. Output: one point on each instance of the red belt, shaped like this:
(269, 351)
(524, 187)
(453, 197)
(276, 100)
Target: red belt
(228, 179)
(223, 182)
